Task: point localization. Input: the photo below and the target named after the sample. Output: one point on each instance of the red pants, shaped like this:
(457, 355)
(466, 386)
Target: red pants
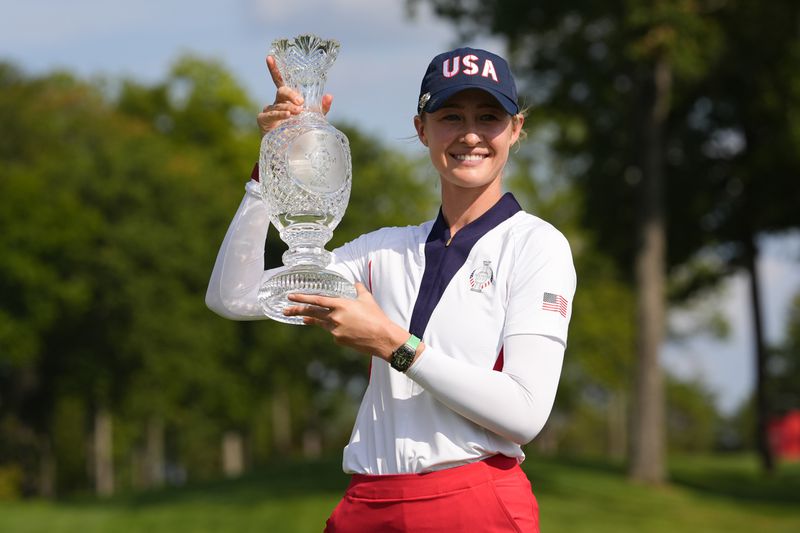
(492, 495)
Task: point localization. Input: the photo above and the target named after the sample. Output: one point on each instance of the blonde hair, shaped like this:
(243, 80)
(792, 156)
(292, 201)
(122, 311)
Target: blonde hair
(523, 113)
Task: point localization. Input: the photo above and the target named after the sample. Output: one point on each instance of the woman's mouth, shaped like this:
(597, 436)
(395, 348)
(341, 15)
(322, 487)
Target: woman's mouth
(469, 157)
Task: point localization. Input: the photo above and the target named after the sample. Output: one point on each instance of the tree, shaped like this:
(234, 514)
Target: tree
(106, 264)
(197, 111)
(47, 236)
(735, 148)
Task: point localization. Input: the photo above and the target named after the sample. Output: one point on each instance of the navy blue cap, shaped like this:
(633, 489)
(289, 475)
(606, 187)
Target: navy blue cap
(467, 68)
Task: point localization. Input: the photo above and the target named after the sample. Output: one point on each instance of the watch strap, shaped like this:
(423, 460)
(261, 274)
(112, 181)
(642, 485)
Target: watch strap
(413, 342)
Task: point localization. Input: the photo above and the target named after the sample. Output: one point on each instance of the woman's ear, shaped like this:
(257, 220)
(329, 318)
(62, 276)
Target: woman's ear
(517, 121)
(419, 125)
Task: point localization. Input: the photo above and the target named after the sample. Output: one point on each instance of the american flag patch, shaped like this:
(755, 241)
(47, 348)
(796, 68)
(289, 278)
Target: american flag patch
(555, 302)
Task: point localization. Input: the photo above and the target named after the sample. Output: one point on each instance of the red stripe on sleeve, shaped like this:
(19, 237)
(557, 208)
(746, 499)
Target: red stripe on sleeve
(498, 364)
(369, 281)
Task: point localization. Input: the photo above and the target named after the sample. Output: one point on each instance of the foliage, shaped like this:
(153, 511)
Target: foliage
(692, 422)
(114, 198)
(106, 258)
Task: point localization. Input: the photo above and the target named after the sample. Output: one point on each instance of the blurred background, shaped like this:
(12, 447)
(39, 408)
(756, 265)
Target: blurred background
(663, 140)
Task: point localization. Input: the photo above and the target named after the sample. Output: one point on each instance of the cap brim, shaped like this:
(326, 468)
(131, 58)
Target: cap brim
(437, 100)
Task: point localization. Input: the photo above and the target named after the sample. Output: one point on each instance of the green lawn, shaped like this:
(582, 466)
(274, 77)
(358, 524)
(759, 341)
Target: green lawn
(706, 495)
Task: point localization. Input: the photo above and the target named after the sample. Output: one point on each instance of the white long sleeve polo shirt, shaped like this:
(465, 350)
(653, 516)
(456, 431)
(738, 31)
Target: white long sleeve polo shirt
(492, 304)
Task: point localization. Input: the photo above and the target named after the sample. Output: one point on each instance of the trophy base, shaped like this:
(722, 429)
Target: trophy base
(305, 279)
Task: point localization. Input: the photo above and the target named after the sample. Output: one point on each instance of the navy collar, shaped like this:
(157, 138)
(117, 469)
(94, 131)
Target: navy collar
(502, 210)
(445, 256)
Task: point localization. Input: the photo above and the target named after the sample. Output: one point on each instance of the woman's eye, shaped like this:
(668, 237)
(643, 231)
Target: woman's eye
(489, 117)
(451, 117)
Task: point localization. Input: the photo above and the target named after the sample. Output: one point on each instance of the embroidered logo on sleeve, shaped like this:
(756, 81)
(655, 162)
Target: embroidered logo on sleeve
(555, 302)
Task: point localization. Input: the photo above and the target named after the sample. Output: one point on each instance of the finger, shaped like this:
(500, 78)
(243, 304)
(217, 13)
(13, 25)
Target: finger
(287, 94)
(360, 289)
(291, 311)
(327, 100)
(284, 106)
(314, 299)
(307, 310)
(274, 115)
(277, 79)
(311, 321)
(270, 120)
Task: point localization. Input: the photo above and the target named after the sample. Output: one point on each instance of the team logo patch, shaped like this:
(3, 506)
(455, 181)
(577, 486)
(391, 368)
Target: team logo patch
(481, 277)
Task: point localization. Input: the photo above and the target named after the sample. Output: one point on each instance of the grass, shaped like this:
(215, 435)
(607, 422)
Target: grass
(707, 494)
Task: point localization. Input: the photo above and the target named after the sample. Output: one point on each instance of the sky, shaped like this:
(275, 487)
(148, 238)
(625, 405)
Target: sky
(728, 366)
(375, 80)
(375, 83)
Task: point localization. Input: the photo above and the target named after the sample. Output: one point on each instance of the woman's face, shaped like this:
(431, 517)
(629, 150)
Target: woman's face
(468, 139)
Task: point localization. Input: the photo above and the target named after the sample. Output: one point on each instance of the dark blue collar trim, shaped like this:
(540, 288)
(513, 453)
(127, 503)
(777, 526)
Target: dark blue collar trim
(442, 261)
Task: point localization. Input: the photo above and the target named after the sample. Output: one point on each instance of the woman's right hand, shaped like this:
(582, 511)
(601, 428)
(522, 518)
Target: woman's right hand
(287, 102)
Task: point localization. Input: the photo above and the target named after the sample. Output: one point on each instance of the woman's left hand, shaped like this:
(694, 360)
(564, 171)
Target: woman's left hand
(360, 324)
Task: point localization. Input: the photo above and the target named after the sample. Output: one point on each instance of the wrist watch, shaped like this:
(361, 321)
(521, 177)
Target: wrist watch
(404, 355)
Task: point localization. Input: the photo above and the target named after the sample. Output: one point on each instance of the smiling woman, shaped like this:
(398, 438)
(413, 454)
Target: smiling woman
(469, 138)
(455, 313)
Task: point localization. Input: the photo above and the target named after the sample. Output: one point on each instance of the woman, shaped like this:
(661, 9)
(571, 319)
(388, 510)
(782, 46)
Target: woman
(465, 318)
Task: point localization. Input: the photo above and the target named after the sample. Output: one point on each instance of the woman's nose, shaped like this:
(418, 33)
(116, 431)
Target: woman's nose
(470, 138)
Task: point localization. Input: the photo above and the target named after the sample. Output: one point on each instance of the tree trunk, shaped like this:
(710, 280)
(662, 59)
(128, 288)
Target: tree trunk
(647, 461)
(47, 469)
(103, 453)
(281, 422)
(762, 404)
(617, 427)
(232, 454)
(312, 443)
(154, 469)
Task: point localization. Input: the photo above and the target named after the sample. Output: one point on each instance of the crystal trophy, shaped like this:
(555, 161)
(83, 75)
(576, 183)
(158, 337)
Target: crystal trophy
(305, 174)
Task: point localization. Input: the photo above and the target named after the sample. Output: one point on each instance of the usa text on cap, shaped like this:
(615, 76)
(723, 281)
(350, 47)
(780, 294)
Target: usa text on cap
(467, 68)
